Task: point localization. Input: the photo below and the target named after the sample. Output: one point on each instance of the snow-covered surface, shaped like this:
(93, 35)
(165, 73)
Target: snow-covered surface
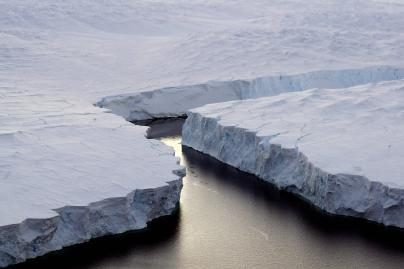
(238, 41)
(71, 172)
(59, 57)
(176, 101)
(342, 150)
(62, 153)
(96, 48)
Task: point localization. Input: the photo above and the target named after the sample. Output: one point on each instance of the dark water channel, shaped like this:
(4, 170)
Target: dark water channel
(229, 219)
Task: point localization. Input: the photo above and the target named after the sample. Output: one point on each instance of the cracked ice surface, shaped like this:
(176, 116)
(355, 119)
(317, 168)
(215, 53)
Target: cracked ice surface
(71, 172)
(342, 150)
(59, 57)
(175, 101)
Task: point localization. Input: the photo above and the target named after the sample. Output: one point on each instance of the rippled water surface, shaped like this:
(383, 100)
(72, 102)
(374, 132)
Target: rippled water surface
(229, 219)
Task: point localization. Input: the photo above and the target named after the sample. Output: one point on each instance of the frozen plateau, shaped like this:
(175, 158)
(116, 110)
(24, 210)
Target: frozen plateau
(342, 150)
(71, 171)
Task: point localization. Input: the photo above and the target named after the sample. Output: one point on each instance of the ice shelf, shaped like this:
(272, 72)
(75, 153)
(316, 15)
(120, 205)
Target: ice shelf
(71, 172)
(176, 101)
(341, 150)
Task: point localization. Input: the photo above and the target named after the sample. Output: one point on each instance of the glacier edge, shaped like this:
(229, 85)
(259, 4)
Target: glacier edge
(291, 170)
(176, 101)
(78, 224)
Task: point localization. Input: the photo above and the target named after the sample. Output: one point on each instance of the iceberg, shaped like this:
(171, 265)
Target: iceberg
(341, 149)
(71, 172)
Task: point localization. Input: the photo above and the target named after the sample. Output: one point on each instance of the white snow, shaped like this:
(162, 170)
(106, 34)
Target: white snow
(176, 101)
(60, 153)
(94, 49)
(342, 150)
(71, 172)
(58, 58)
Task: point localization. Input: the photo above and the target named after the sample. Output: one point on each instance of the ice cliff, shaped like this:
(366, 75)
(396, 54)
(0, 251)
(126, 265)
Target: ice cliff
(64, 164)
(175, 101)
(71, 172)
(341, 150)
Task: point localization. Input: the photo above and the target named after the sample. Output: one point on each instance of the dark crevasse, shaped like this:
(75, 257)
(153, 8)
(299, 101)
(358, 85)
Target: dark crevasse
(230, 219)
